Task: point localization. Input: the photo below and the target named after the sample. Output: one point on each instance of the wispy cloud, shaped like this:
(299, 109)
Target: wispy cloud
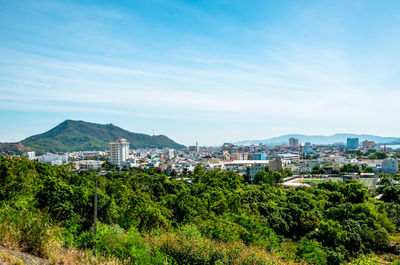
(284, 72)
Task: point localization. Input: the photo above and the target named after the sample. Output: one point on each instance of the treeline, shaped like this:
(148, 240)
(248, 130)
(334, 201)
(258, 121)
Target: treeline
(217, 218)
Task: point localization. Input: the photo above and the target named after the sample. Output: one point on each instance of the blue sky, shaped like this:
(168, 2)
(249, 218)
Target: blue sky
(211, 71)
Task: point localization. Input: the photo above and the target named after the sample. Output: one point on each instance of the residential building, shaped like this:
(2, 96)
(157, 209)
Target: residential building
(227, 146)
(253, 169)
(258, 156)
(119, 151)
(368, 144)
(293, 142)
(239, 156)
(53, 158)
(390, 165)
(352, 143)
(88, 164)
(275, 165)
(194, 148)
(168, 152)
(30, 155)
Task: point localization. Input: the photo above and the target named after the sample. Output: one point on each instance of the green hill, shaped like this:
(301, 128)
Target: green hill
(80, 135)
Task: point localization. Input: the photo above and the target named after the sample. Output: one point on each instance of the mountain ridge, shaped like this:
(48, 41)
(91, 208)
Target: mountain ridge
(322, 139)
(78, 135)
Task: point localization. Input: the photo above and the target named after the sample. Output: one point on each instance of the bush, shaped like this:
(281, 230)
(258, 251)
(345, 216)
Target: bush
(113, 242)
(311, 251)
(201, 250)
(23, 227)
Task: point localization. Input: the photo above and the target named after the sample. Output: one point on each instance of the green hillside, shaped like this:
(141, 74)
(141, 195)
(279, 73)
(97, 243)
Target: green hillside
(79, 135)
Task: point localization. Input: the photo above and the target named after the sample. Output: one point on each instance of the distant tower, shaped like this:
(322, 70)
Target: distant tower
(197, 147)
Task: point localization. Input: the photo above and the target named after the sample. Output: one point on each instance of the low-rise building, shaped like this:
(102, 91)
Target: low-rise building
(253, 169)
(50, 158)
(276, 165)
(258, 156)
(390, 165)
(30, 155)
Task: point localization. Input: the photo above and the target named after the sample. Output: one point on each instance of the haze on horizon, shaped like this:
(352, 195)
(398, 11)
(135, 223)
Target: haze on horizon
(206, 71)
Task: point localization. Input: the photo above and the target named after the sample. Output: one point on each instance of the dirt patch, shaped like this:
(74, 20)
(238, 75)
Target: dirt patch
(12, 257)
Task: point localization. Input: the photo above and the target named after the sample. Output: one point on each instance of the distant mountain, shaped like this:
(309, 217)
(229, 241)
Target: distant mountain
(73, 135)
(321, 139)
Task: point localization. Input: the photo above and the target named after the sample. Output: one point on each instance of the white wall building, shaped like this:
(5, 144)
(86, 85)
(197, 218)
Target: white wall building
(168, 152)
(119, 151)
(30, 155)
(53, 158)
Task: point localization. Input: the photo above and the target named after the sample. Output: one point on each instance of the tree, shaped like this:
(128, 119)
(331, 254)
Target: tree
(271, 178)
(368, 170)
(391, 194)
(378, 155)
(329, 233)
(311, 251)
(318, 170)
(287, 172)
(350, 168)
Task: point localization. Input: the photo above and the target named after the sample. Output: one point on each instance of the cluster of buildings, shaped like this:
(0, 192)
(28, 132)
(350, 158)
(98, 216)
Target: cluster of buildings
(245, 160)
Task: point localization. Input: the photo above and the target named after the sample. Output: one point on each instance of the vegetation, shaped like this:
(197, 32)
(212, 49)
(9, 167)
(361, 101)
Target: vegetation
(317, 169)
(72, 135)
(350, 168)
(378, 155)
(218, 218)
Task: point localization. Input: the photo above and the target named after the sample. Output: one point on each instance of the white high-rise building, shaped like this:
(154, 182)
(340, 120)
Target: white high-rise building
(119, 151)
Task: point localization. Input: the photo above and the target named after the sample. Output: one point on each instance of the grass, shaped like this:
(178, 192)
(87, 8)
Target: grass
(313, 181)
(369, 182)
(7, 259)
(202, 250)
(25, 229)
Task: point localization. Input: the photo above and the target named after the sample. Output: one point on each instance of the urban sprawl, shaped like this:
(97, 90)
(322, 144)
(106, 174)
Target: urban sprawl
(303, 163)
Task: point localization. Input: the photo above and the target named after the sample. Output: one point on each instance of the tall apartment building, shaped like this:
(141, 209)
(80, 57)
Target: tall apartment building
(194, 148)
(293, 142)
(119, 151)
(352, 143)
(368, 144)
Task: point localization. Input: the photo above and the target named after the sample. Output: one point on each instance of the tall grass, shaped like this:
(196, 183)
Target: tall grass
(188, 247)
(24, 228)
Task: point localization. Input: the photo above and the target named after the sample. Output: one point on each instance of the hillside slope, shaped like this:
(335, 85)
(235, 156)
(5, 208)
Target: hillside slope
(73, 135)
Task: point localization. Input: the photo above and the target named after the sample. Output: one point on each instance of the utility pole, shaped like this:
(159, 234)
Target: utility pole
(95, 213)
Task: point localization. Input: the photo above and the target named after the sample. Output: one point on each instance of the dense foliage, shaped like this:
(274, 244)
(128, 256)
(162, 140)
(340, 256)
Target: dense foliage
(72, 135)
(217, 218)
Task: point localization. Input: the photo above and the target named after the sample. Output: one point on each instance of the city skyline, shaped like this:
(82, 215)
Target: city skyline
(201, 71)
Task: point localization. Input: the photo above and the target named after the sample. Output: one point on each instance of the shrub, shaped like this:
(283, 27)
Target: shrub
(23, 227)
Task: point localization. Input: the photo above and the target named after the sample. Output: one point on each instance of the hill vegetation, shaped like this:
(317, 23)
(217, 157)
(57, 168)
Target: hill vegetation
(145, 217)
(79, 135)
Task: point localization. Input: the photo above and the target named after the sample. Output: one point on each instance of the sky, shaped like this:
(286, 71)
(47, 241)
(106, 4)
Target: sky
(206, 71)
